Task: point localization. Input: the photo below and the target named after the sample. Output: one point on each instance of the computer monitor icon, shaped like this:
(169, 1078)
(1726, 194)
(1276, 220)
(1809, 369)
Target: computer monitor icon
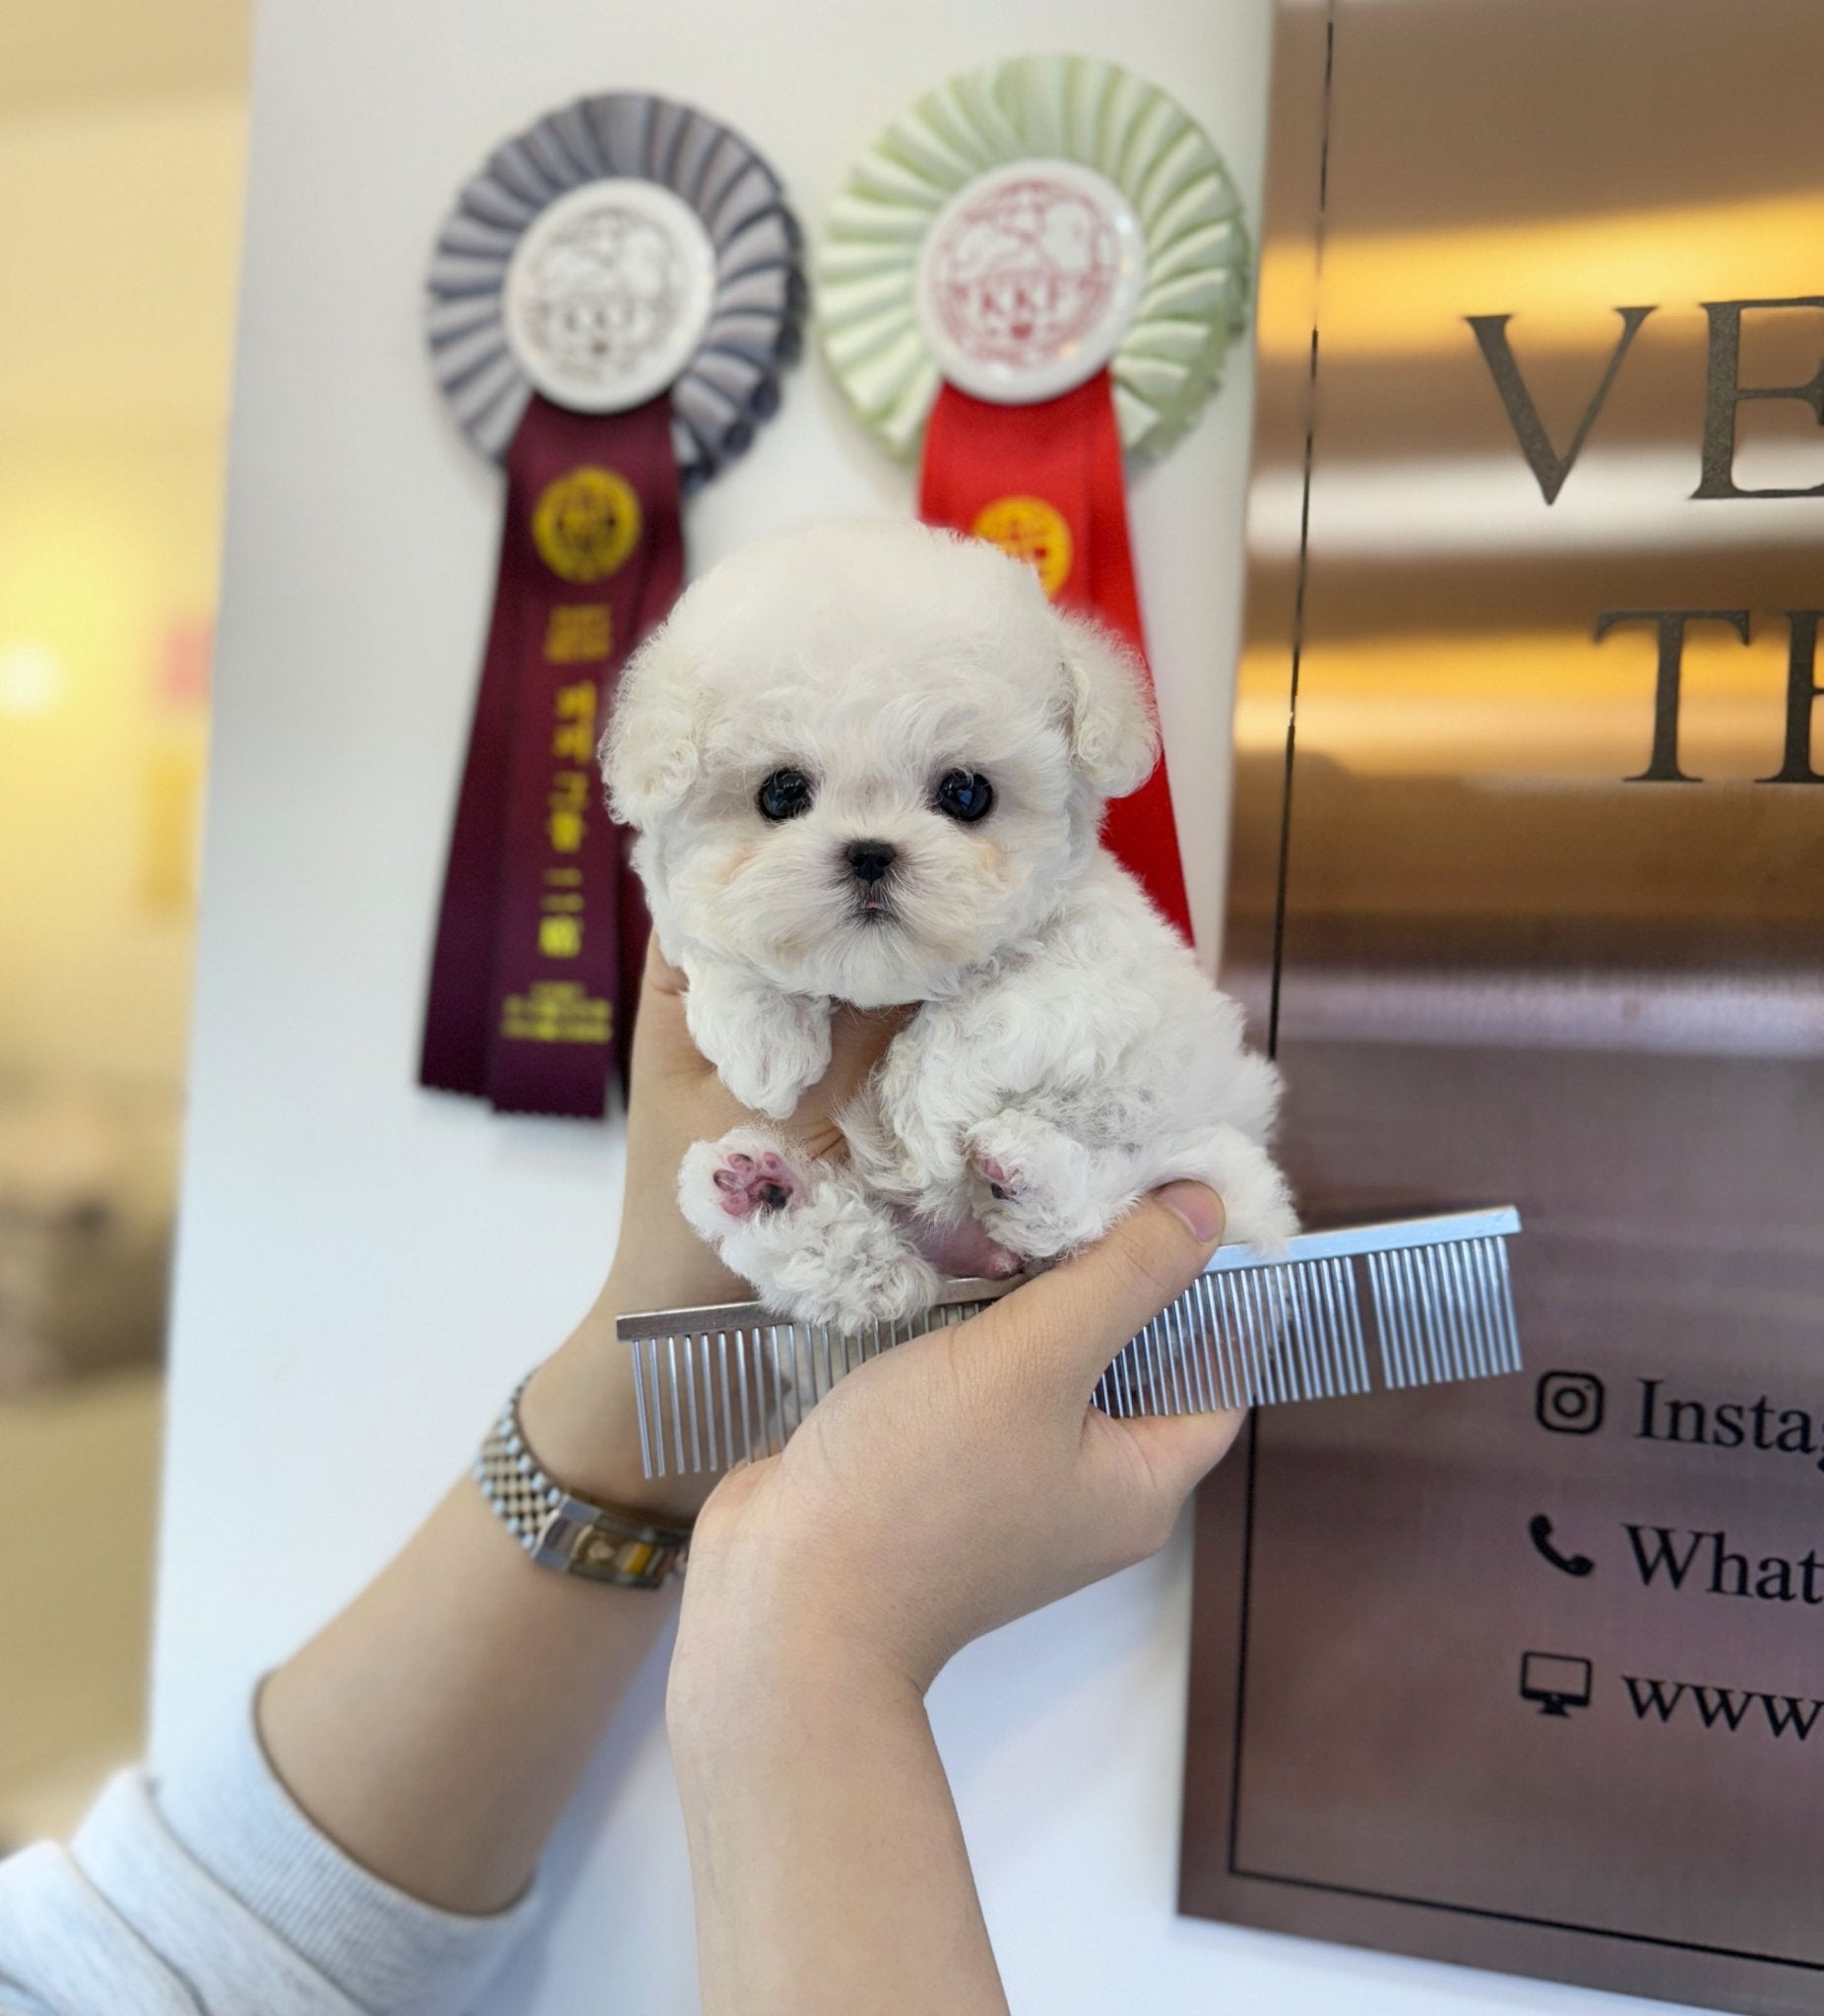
(1558, 1680)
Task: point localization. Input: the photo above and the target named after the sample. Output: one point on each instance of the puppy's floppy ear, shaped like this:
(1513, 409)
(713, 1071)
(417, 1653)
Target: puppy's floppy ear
(649, 750)
(1109, 715)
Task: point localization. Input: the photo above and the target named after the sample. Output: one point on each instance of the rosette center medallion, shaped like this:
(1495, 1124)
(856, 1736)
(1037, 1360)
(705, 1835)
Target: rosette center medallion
(1027, 281)
(608, 294)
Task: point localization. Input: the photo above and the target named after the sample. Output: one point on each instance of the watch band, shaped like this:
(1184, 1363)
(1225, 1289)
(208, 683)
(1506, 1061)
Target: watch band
(561, 1530)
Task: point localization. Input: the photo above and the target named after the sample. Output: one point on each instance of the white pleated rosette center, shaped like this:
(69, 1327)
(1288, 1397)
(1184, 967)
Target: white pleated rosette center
(1028, 280)
(608, 294)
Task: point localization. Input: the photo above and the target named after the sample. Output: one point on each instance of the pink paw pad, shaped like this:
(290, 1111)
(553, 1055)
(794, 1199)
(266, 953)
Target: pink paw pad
(750, 1183)
(1001, 1180)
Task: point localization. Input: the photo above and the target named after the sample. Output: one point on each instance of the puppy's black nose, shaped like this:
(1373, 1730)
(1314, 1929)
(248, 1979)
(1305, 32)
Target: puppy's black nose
(870, 860)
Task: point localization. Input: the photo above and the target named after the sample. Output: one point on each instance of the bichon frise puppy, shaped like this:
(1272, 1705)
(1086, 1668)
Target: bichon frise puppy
(867, 762)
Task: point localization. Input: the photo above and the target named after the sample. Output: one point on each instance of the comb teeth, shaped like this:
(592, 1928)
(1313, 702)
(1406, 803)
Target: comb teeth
(1243, 1339)
(713, 1387)
(1444, 1312)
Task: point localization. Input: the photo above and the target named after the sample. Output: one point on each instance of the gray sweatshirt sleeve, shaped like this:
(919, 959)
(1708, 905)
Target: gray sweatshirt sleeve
(209, 1893)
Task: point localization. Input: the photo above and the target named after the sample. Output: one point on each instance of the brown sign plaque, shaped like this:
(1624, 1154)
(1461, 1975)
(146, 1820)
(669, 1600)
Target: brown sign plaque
(1528, 889)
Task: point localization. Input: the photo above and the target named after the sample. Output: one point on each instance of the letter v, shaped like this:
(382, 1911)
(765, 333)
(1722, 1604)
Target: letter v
(1544, 460)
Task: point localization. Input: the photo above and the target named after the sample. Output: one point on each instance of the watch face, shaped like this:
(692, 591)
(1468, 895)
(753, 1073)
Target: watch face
(608, 294)
(1028, 280)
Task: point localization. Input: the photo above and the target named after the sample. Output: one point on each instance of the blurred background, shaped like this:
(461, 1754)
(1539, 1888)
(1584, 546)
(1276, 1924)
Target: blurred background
(122, 158)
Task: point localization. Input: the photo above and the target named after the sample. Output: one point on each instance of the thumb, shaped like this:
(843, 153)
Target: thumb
(1071, 1321)
(1178, 1450)
(858, 1039)
(662, 1041)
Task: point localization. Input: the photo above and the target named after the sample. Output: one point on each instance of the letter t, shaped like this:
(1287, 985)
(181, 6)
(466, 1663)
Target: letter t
(1662, 766)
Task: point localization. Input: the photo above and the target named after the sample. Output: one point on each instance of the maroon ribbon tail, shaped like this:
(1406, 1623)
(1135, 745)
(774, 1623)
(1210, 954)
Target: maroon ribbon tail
(541, 934)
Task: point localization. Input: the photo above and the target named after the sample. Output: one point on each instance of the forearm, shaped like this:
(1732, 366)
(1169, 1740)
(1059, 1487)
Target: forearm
(828, 1864)
(435, 1729)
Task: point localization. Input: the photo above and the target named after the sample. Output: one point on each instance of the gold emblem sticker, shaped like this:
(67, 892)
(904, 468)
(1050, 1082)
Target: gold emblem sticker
(586, 524)
(1033, 531)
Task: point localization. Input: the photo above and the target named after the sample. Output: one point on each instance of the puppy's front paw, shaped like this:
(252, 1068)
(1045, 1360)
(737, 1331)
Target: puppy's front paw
(814, 1244)
(743, 1179)
(771, 1061)
(754, 1182)
(1040, 1197)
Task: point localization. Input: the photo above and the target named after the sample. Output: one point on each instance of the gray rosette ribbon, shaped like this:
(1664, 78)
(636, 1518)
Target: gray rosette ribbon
(730, 380)
(612, 302)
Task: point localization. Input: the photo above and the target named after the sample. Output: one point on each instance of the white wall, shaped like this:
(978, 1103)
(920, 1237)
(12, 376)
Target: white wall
(367, 1268)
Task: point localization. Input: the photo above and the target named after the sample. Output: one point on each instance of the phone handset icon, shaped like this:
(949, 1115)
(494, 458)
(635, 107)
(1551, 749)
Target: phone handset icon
(1539, 1529)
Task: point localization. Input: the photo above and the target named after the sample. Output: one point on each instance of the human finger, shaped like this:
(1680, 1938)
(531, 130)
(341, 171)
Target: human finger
(858, 1038)
(661, 976)
(1178, 1451)
(1063, 1328)
(662, 1036)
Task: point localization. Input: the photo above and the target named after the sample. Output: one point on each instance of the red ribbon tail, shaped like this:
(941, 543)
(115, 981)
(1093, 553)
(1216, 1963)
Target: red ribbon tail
(1046, 482)
(1142, 828)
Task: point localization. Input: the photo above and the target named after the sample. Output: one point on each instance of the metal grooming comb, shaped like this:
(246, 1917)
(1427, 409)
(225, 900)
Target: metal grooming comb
(731, 1382)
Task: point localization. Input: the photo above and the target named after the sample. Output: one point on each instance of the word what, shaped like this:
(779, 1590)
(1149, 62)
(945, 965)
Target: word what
(1707, 1561)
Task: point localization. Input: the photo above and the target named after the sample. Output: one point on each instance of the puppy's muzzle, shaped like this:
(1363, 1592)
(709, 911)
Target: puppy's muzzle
(871, 861)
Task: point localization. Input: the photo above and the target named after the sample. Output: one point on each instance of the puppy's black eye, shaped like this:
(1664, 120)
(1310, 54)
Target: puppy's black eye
(964, 794)
(784, 795)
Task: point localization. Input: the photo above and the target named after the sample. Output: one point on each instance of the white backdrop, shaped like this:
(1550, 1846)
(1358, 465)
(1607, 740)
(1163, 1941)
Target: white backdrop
(365, 1267)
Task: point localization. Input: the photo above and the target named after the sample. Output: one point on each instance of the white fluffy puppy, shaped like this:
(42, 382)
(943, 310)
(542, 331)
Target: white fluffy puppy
(867, 762)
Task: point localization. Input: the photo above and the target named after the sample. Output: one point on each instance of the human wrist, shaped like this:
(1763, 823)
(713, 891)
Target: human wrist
(578, 1409)
(744, 1681)
(579, 1419)
(661, 1264)
(775, 1610)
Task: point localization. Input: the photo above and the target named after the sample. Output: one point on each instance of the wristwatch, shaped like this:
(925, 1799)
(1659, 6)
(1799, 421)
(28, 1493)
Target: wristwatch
(559, 1530)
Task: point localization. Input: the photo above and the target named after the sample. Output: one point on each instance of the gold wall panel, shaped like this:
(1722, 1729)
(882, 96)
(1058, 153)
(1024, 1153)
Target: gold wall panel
(1533, 908)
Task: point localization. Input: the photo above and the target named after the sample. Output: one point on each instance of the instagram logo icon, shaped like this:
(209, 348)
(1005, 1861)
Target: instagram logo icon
(1569, 1403)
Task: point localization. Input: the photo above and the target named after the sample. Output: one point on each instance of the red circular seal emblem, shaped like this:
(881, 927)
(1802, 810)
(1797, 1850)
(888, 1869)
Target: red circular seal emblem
(1027, 281)
(1024, 271)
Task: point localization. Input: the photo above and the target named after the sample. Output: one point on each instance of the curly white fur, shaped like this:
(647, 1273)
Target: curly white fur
(1068, 1056)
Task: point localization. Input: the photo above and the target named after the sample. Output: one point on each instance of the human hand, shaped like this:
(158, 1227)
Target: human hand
(955, 1484)
(578, 1410)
